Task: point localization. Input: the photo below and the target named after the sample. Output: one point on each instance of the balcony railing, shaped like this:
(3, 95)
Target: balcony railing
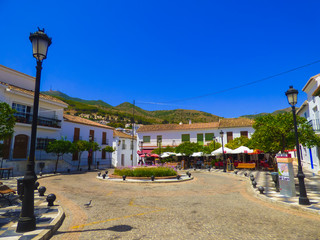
(315, 124)
(42, 121)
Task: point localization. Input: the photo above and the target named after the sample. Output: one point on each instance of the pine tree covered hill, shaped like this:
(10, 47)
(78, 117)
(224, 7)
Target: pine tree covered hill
(123, 113)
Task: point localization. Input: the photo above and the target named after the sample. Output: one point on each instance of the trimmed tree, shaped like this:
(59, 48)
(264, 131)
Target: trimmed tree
(92, 147)
(7, 121)
(275, 133)
(80, 147)
(211, 147)
(59, 148)
(238, 142)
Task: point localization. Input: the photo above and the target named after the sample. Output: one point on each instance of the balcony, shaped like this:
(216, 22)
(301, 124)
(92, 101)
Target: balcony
(315, 124)
(42, 121)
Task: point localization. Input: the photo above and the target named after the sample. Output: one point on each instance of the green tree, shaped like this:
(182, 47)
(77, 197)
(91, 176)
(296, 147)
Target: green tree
(80, 147)
(59, 148)
(108, 149)
(275, 133)
(238, 142)
(92, 148)
(211, 147)
(187, 148)
(7, 121)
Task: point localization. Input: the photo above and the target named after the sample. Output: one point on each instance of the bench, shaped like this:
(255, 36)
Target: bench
(5, 192)
(246, 165)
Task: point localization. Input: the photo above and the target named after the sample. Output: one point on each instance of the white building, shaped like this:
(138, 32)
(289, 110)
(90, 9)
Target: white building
(310, 110)
(76, 128)
(174, 134)
(17, 89)
(125, 153)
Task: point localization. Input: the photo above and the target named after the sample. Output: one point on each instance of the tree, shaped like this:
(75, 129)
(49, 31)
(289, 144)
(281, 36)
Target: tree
(188, 148)
(238, 142)
(275, 133)
(59, 148)
(7, 121)
(108, 149)
(92, 147)
(211, 147)
(80, 147)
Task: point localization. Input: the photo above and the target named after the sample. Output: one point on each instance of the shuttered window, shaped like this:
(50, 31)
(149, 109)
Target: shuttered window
(200, 138)
(146, 139)
(185, 137)
(229, 136)
(244, 133)
(209, 136)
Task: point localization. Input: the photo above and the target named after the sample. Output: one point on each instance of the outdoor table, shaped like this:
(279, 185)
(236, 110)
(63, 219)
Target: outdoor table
(6, 170)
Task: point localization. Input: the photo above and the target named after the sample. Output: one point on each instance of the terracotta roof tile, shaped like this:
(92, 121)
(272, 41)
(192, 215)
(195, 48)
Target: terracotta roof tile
(122, 135)
(223, 123)
(235, 122)
(31, 93)
(75, 119)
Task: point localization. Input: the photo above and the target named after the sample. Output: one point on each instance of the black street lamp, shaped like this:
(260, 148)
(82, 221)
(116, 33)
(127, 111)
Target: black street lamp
(141, 149)
(27, 221)
(292, 95)
(224, 159)
(159, 144)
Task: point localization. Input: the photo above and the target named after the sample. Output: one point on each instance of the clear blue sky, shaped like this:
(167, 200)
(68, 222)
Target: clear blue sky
(167, 51)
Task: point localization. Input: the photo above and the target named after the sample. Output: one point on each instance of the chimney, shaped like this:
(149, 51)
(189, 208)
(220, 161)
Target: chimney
(189, 121)
(180, 123)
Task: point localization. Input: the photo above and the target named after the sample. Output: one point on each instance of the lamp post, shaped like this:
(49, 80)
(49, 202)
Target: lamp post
(141, 149)
(224, 160)
(27, 221)
(292, 95)
(159, 144)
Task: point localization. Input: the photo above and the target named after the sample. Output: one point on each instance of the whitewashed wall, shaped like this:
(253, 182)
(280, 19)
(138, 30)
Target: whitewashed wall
(170, 137)
(116, 155)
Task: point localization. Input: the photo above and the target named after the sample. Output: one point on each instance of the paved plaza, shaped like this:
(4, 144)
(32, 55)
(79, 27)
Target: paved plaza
(212, 206)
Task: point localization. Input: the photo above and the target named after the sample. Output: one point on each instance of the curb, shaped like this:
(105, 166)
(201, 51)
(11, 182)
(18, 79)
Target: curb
(53, 227)
(265, 198)
(119, 180)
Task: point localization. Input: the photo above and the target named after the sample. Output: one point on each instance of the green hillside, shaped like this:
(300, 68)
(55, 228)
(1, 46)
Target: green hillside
(254, 116)
(123, 113)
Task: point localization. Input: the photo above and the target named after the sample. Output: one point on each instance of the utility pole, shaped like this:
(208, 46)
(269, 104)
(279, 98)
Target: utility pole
(132, 131)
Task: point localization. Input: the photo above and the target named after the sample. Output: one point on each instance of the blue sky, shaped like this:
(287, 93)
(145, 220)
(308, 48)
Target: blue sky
(168, 51)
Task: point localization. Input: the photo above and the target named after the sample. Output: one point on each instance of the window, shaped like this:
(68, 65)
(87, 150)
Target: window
(185, 137)
(103, 154)
(42, 143)
(159, 139)
(244, 133)
(21, 109)
(209, 137)
(131, 145)
(146, 139)
(122, 160)
(104, 138)
(200, 138)
(123, 144)
(229, 136)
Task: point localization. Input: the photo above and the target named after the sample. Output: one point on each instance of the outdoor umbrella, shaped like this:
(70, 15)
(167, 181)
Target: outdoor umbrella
(197, 154)
(154, 155)
(242, 149)
(219, 151)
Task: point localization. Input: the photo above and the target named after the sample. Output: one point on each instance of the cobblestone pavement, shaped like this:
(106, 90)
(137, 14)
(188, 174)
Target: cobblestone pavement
(212, 206)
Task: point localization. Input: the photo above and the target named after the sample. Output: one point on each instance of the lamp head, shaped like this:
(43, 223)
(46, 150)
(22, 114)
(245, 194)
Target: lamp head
(292, 95)
(40, 43)
(221, 133)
